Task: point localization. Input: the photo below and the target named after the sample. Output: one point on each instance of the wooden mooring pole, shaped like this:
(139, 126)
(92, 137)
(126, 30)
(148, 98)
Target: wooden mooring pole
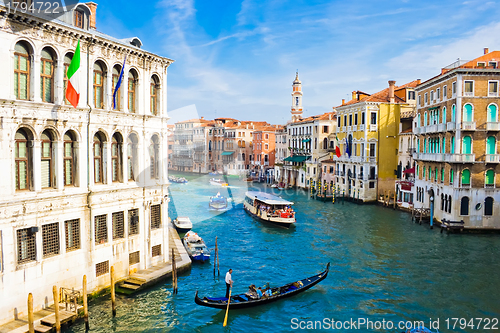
(113, 298)
(31, 325)
(85, 305)
(56, 308)
(216, 257)
(174, 274)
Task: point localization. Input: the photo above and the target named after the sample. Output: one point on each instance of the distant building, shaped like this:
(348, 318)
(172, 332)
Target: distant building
(85, 188)
(457, 153)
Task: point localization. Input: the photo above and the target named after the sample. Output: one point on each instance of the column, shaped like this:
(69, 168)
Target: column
(59, 164)
(59, 82)
(36, 165)
(35, 79)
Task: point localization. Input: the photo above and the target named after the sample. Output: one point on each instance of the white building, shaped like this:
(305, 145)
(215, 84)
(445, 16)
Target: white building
(82, 189)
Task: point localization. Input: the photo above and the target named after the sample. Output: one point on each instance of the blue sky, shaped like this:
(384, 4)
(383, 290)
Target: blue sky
(238, 58)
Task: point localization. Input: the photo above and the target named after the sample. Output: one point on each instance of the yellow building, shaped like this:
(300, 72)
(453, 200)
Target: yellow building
(368, 137)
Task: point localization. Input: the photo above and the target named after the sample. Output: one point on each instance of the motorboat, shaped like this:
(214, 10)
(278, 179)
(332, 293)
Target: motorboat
(195, 247)
(183, 224)
(218, 202)
(218, 182)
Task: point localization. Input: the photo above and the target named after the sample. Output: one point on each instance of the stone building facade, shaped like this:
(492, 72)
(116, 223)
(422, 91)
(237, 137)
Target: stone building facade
(458, 131)
(83, 189)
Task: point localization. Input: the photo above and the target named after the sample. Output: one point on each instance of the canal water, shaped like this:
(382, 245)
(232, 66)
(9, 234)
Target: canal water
(383, 268)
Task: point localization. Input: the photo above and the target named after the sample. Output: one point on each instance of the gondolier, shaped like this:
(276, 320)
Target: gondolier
(229, 282)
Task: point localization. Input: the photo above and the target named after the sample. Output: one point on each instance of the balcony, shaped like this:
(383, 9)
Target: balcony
(373, 128)
(468, 125)
(441, 127)
(492, 158)
(348, 128)
(460, 158)
(450, 126)
(429, 157)
(362, 127)
(417, 130)
(431, 128)
(493, 126)
(354, 128)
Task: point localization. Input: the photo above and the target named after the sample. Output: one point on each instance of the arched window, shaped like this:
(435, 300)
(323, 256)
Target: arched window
(492, 113)
(418, 145)
(325, 143)
(22, 67)
(116, 158)
(99, 85)
(117, 96)
(154, 156)
(424, 174)
(98, 158)
(79, 18)
(464, 206)
(67, 61)
(488, 206)
(132, 88)
(444, 114)
(443, 145)
(467, 145)
(425, 118)
(47, 75)
(155, 86)
(442, 175)
(436, 175)
(425, 145)
(418, 120)
(449, 203)
(23, 158)
(452, 145)
(453, 113)
(491, 145)
(242, 144)
(131, 157)
(467, 114)
(69, 159)
(210, 145)
(442, 201)
(490, 178)
(451, 177)
(47, 159)
(466, 177)
(417, 173)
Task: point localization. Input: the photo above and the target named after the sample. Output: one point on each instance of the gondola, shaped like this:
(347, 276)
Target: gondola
(244, 301)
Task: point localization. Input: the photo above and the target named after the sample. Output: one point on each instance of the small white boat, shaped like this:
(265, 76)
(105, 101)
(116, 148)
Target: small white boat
(218, 182)
(195, 247)
(218, 202)
(183, 224)
(269, 208)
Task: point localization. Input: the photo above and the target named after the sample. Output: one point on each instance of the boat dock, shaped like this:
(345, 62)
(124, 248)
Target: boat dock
(44, 320)
(150, 276)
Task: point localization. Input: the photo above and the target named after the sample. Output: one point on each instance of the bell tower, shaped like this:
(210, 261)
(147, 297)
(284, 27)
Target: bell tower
(296, 99)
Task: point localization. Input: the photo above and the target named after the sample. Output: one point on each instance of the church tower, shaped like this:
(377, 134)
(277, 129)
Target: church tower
(296, 99)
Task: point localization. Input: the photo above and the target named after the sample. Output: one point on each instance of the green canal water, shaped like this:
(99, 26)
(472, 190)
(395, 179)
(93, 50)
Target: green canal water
(384, 268)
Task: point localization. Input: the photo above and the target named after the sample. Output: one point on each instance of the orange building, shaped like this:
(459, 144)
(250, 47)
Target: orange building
(264, 150)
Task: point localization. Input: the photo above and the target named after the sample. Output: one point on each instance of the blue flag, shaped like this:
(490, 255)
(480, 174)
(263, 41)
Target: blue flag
(347, 150)
(119, 83)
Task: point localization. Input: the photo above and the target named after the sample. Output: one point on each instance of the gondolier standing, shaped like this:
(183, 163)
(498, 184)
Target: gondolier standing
(229, 282)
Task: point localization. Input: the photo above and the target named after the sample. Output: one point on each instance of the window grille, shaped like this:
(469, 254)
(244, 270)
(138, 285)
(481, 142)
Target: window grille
(50, 238)
(26, 245)
(155, 217)
(118, 225)
(156, 250)
(102, 268)
(72, 228)
(101, 229)
(133, 258)
(133, 222)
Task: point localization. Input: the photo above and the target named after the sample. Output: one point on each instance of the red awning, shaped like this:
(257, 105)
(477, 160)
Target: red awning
(411, 170)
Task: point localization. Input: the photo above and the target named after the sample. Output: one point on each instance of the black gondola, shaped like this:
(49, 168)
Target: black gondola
(244, 301)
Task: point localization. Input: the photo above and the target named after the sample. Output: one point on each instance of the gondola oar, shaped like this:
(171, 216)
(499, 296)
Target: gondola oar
(227, 310)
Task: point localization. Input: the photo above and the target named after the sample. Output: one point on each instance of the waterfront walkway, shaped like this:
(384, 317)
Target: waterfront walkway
(147, 277)
(44, 320)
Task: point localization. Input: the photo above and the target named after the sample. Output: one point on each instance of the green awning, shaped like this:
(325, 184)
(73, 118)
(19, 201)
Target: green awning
(306, 140)
(433, 108)
(227, 153)
(296, 158)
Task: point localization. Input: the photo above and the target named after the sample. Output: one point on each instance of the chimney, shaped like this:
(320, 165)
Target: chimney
(343, 101)
(418, 81)
(202, 118)
(353, 95)
(93, 8)
(486, 50)
(391, 91)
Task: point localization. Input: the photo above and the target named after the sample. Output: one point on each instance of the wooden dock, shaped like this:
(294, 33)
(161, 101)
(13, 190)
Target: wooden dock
(150, 276)
(44, 320)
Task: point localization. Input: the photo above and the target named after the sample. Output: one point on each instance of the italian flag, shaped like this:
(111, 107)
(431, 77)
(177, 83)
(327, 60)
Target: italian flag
(74, 72)
(337, 148)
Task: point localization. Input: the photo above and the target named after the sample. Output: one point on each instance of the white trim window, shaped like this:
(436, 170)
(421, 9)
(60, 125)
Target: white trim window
(468, 88)
(454, 89)
(419, 100)
(425, 99)
(493, 88)
(438, 94)
(445, 92)
(432, 97)
(492, 64)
